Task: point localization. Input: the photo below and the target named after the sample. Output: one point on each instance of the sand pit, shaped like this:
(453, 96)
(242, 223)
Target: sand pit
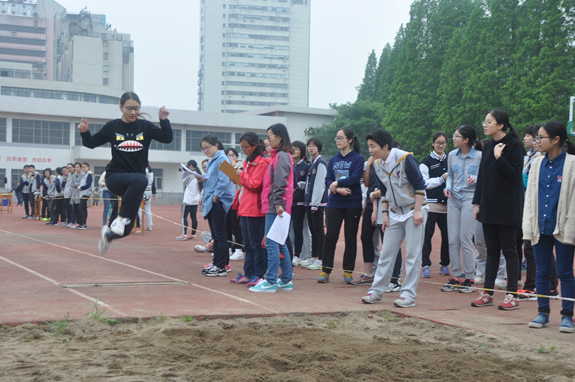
(349, 347)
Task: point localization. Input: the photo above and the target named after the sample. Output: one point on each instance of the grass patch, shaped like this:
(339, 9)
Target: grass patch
(187, 318)
(58, 326)
(331, 324)
(100, 316)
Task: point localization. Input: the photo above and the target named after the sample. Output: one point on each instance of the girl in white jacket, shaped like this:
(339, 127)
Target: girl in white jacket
(192, 197)
(549, 221)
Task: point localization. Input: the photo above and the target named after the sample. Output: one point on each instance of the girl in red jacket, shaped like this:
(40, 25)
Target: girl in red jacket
(252, 219)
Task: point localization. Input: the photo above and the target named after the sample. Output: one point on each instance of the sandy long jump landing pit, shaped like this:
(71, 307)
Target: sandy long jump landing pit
(48, 273)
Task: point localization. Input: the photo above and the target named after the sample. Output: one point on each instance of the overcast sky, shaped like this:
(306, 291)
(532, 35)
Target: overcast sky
(166, 44)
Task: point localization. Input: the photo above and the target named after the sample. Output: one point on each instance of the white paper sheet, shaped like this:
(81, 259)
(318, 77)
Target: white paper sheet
(280, 229)
(188, 172)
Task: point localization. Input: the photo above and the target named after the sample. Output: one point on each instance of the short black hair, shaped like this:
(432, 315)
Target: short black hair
(381, 137)
(317, 143)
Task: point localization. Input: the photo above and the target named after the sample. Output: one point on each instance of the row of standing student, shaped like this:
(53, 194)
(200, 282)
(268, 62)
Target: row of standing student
(64, 194)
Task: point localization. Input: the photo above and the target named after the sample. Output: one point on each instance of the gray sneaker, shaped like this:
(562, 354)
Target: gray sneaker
(316, 266)
(394, 287)
(404, 302)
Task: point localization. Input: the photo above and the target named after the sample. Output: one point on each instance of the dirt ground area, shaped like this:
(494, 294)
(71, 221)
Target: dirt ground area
(358, 346)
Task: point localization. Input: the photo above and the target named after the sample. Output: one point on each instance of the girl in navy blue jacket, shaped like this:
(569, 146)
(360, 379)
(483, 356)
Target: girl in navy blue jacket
(344, 172)
(300, 168)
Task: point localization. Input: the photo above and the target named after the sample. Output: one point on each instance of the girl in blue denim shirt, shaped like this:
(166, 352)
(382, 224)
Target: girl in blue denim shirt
(462, 168)
(217, 199)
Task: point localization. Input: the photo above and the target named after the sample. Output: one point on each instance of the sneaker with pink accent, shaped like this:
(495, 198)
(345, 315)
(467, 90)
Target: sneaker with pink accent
(404, 302)
(483, 300)
(207, 266)
(509, 303)
(253, 281)
(370, 298)
(241, 279)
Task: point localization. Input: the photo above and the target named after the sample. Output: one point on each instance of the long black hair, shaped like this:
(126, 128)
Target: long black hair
(303, 152)
(253, 140)
(351, 135)
(502, 118)
(280, 131)
(468, 132)
(557, 129)
(194, 165)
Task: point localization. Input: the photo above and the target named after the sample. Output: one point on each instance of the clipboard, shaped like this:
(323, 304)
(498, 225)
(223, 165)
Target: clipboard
(230, 171)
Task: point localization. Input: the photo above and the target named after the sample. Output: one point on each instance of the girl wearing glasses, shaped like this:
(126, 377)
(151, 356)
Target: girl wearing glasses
(130, 137)
(276, 198)
(217, 199)
(463, 165)
(498, 204)
(434, 171)
(344, 171)
(549, 220)
(252, 219)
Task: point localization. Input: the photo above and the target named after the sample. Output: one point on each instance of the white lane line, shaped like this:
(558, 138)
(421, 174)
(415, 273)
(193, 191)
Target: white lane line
(60, 285)
(147, 271)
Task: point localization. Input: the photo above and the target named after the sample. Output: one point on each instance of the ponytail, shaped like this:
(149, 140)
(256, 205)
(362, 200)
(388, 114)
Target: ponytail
(557, 129)
(468, 132)
(502, 118)
(349, 134)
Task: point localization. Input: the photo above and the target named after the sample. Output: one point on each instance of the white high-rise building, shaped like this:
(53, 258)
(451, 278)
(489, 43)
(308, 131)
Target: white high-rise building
(253, 54)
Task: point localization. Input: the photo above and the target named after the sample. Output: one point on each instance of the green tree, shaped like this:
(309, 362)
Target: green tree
(361, 116)
(367, 86)
(383, 88)
(380, 72)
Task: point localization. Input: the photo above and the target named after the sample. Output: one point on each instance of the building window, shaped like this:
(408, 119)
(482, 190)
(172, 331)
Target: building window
(108, 100)
(15, 175)
(93, 128)
(105, 44)
(106, 56)
(2, 129)
(175, 145)
(6, 72)
(255, 84)
(105, 81)
(224, 15)
(194, 137)
(223, 25)
(158, 177)
(50, 94)
(2, 176)
(40, 132)
(85, 97)
(106, 68)
(17, 92)
(98, 170)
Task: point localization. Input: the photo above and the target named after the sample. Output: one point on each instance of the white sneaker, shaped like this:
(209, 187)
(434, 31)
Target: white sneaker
(501, 284)
(103, 244)
(305, 263)
(295, 262)
(238, 255)
(315, 266)
(479, 280)
(200, 248)
(118, 225)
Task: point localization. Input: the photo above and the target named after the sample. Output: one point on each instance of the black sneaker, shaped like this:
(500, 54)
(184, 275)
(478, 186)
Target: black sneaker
(214, 271)
(451, 286)
(554, 293)
(25, 217)
(81, 227)
(467, 286)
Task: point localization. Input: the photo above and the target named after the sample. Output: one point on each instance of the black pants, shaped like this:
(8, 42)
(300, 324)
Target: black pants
(367, 231)
(192, 211)
(234, 228)
(57, 207)
(26, 199)
(527, 250)
(131, 187)
(334, 217)
(315, 224)
(297, 219)
(83, 210)
(70, 217)
(45, 208)
(217, 221)
(500, 238)
(441, 221)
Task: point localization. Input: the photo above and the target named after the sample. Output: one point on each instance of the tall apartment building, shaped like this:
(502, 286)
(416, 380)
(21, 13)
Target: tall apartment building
(253, 54)
(40, 40)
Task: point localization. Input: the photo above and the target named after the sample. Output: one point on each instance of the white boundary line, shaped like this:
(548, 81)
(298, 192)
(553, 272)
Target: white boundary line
(142, 270)
(60, 285)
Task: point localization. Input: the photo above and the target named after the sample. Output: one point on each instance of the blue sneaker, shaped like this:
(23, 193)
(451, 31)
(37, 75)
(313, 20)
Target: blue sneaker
(347, 278)
(426, 272)
(566, 325)
(444, 270)
(323, 278)
(288, 287)
(264, 287)
(541, 321)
